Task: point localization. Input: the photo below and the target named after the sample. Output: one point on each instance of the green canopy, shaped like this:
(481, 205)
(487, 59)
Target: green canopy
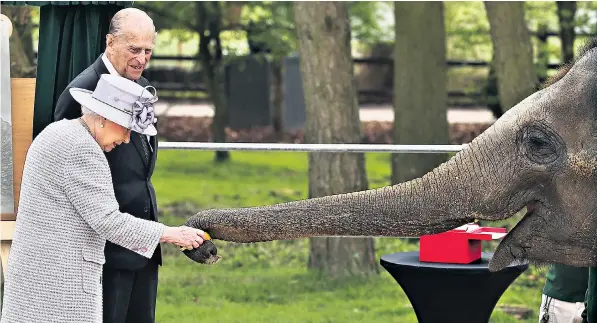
(71, 37)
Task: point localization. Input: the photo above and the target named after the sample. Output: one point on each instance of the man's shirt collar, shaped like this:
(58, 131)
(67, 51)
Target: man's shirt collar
(109, 65)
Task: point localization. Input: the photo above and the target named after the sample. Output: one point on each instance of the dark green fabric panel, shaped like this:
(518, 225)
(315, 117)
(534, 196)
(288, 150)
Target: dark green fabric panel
(70, 39)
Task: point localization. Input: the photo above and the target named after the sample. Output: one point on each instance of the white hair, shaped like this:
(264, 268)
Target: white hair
(87, 111)
(118, 22)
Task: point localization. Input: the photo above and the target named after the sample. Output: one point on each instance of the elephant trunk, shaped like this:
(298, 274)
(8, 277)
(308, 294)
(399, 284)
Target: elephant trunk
(455, 193)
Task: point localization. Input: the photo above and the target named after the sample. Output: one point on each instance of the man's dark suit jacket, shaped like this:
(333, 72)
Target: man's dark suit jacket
(130, 173)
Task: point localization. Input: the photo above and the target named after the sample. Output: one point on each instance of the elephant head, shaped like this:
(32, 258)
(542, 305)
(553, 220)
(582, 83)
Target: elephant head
(540, 155)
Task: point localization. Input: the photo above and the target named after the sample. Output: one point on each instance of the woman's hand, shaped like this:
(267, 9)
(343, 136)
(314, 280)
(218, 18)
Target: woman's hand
(184, 236)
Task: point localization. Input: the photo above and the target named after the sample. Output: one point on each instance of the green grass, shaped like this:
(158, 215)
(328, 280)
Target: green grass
(269, 282)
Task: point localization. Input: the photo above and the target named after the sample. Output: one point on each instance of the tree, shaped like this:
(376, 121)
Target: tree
(420, 90)
(566, 13)
(516, 76)
(332, 116)
(209, 26)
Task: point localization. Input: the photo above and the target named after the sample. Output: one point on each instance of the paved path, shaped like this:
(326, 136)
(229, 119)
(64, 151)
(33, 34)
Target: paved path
(367, 112)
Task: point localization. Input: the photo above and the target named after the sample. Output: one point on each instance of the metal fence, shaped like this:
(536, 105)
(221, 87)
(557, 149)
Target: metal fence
(339, 148)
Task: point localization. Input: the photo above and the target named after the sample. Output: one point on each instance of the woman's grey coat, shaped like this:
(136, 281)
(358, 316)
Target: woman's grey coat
(67, 211)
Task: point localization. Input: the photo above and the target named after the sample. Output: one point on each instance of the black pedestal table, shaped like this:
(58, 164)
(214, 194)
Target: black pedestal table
(440, 292)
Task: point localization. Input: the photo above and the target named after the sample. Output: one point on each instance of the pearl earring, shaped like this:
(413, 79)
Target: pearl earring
(101, 125)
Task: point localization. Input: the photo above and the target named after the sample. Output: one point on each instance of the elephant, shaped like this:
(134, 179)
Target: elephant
(541, 155)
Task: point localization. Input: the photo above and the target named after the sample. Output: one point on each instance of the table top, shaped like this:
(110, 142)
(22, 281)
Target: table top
(411, 259)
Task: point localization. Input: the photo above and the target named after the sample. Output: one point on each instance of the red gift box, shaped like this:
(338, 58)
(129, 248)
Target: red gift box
(458, 246)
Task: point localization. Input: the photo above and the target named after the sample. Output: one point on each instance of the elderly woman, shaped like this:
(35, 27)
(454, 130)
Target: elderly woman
(67, 209)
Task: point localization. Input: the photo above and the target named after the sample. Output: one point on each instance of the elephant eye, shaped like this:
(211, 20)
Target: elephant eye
(540, 145)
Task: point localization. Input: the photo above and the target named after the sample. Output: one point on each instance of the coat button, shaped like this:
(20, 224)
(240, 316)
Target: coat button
(145, 209)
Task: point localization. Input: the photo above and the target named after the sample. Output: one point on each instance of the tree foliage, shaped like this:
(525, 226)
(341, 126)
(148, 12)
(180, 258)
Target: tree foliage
(467, 31)
(586, 17)
(372, 22)
(270, 22)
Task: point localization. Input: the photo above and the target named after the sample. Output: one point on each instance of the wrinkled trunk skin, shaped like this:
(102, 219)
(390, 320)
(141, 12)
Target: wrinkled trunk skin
(410, 209)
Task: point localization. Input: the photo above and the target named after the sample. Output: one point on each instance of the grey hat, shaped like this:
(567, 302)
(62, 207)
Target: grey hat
(121, 101)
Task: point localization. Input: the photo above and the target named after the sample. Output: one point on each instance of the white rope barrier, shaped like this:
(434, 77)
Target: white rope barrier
(356, 148)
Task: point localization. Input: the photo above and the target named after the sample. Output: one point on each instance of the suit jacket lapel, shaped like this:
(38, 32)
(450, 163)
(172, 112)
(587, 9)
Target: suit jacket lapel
(99, 67)
(154, 153)
(136, 140)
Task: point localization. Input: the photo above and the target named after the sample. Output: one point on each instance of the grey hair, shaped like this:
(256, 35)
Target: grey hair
(118, 21)
(87, 111)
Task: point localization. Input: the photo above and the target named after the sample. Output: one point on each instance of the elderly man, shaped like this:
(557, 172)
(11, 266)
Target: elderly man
(129, 280)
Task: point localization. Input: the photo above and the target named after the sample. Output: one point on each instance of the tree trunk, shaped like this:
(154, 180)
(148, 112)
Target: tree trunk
(420, 90)
(542, 64)
(566, 13)
(277, 99)
(491, 91)
(511, 41)
(332, 116)
(209, 22)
